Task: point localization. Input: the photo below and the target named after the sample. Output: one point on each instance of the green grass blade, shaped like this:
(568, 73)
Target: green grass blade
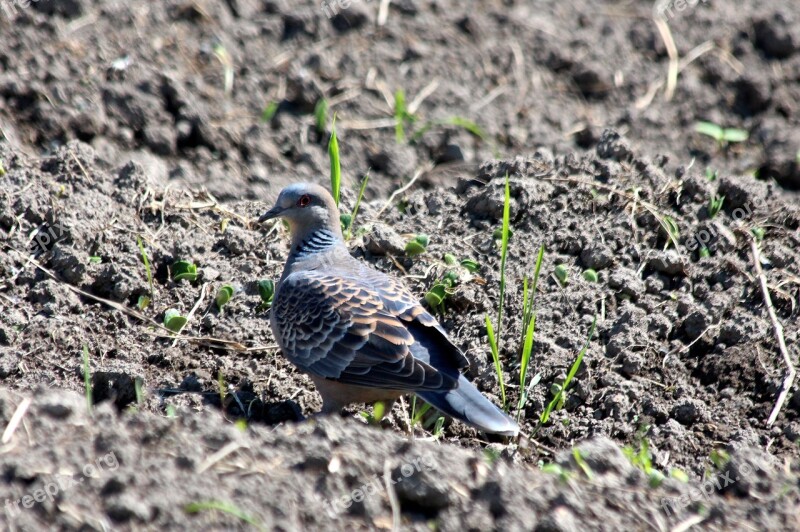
(146, 264)
(496, 358)
(226, 507)
(400, 114)
(336, 166)
(87, 379)
(503, 256)
(558, 400)
(361, 191)
(321, 115)
(709, 129)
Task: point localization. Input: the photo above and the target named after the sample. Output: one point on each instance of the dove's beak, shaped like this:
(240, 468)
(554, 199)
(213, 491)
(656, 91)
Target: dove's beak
(270, 214)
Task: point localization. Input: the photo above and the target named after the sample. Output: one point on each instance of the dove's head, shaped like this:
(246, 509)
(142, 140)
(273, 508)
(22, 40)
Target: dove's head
(307, 208)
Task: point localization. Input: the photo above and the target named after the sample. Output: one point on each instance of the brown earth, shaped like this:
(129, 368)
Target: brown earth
(116, 125)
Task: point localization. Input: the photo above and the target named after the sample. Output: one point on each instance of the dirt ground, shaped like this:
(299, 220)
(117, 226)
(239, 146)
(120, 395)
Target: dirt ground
(177, 123)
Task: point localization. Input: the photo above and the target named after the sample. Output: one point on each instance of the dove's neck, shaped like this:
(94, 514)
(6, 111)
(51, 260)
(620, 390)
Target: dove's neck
(314, 250)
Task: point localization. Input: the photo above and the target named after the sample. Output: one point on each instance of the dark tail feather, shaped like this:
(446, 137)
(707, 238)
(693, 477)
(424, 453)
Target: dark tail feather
(467, 404)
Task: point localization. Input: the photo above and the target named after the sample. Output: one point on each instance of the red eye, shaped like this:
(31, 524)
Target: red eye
(304, 201)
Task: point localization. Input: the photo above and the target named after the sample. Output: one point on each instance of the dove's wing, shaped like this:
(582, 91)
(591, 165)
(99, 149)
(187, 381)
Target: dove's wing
(362, 328)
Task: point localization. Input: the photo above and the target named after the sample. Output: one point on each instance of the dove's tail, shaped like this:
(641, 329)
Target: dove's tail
(467, 404)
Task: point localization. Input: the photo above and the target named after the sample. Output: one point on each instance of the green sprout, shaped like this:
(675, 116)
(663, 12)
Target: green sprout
(269, 112)
(559, 397)
(722, 135)
(642, 459)
(266, 290)
(224, 294)
(144, 301)
(441, 289)
(561, 274)
(220, 506)
(417, 245)
(227, 65)
(498, 368)
(348, 220)
(3, 168)
(715, 205)
(470, 265)
(95, 259)
(401, 116)
(758, 233)
(704, 252)
(711, 174)
(576, 455)
(671, 229)
(87, 379)
(174, 321)
(590, 275)
(336, 166)
(321, 115)
(183, 269)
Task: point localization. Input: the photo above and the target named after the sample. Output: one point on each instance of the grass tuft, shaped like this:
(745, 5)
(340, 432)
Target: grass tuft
(220, 506)
(528, 331)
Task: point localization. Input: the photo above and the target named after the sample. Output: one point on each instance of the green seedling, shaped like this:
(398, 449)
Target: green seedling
(321, 116)
(528, 331)
(679, 475)
(225, 507)
(450, 259)
(555, 469)
(722, 135)
(227, 65)
(590, 275)
(715, 205)
(402, 117)
(711, 174)
(222, 389)
(336, 165)
(576, 455)
(559, 397)
(183, 269)
(138, 382)
(498, 368)
(720, 458)
(174, 321)
(642, 459)
(561, 274)
(87, 379)
(504, 237)
(224, 294)
(704, 252)
(266, 291)
(95, 260)
(378, 411)
(144, 301)
(471, 265)
(438, 428)
(349, 219)
(241, 424)
(417, 245)
(269, 112)
(671, 229)
(171, 412)
(758, 233)
(3, 168)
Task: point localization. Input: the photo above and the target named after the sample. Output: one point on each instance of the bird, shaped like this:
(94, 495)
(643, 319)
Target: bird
(359, 333)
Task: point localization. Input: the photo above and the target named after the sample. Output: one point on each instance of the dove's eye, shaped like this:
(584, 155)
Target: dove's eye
(304, 200)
